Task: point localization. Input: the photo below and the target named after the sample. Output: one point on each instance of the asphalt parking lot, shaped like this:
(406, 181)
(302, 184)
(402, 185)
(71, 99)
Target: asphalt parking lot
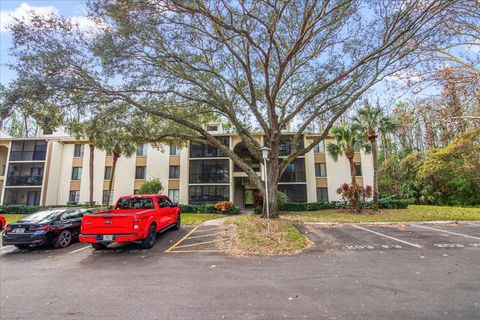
(407, 271)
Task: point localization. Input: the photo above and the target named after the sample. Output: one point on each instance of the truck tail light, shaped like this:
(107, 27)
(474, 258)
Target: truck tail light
(136, 224)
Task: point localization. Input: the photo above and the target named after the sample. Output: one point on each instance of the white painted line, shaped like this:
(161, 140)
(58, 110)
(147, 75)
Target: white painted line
(204, 235)
(198, 244)
(5, 247)
(444, 231)
(79, 249)
(384, 235)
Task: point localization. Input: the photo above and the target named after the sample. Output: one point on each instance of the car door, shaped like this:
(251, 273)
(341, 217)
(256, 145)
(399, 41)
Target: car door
(163, 212)
(172, 210)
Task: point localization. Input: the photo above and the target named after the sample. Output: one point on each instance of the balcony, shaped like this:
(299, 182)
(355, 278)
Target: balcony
(35, 180)
(28, 155)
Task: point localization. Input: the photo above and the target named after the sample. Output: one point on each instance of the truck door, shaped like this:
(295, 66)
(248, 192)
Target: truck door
(163, 212)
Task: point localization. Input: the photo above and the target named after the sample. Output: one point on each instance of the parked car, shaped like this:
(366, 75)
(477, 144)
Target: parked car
(3, 222)
(134, 218)
(57, 227)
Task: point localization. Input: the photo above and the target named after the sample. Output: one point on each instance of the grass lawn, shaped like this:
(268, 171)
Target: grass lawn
(412, 213)
(252, 235)
(12, 217)
(197, 218)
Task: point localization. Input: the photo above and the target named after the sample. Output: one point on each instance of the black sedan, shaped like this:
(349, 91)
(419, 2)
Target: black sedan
(57, 227)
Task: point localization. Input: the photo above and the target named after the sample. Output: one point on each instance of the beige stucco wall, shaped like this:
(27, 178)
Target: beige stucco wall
(157, 163)
(53, 182)
(183, 176)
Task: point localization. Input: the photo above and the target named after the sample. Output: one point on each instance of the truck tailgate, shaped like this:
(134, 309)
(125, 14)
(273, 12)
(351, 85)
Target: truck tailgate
(108, 224)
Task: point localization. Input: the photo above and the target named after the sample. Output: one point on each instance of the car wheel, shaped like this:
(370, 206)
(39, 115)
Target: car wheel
(149, 241)
(21, 246)
(99, 246)
(176, 226)
(64, 239)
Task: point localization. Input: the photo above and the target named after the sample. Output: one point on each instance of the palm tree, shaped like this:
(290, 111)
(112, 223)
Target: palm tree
(117, 143)
(370, 120)
(349, 137)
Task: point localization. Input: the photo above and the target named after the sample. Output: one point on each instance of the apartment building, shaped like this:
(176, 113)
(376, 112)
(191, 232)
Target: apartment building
(54, 170)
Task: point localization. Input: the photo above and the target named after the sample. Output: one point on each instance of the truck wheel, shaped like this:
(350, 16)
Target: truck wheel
(99, 246)
(63, 240)
(176, 226)
(21, 246)
(149, 241)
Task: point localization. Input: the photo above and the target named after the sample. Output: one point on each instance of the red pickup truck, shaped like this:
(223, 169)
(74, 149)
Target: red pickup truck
(134, 218)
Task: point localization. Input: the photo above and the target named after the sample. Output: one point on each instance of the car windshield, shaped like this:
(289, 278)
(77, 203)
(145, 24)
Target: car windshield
(42, 216)
(135, 203)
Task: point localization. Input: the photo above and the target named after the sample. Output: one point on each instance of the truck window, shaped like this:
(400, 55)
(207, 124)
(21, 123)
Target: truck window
(135, 203)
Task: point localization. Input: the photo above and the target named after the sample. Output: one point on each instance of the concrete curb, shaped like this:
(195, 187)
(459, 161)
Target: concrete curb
(389, 223)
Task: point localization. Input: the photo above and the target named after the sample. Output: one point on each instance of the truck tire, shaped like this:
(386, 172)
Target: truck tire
(177, 224)
(149, 241)
(99, 246)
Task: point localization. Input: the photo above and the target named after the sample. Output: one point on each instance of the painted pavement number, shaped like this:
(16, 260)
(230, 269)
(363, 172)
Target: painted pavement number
(370, 247)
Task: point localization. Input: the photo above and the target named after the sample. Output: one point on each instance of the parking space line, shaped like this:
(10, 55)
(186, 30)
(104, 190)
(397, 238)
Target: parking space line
(384, 235)
(179, 241)
(199, 243)
(204, 235)
(450, 232)
(79, 249)
(195, 251)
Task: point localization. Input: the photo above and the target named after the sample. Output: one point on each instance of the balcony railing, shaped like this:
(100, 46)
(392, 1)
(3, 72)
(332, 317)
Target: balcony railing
(28, 155)
(25, 180)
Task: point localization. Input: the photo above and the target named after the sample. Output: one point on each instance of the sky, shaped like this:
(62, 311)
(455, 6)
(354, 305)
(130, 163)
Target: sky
(8, 8)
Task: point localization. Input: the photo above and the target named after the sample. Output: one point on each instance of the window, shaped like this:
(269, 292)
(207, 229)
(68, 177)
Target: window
(28, 150)
(174, 195)
(140, 173)
(320, 147)
(295, 171)
(78, 150)
(358, 169)
(322, 194)
(76, 173)
(135, 203)
(209, 171)
(212, 128)
(108, 173)
(206, 194)
(320, 170)
(104, 197)
(294, 192)
(198, 150)
(174, 172)
(142, 150)
(74, 196)
(175, 151)
(285, 146)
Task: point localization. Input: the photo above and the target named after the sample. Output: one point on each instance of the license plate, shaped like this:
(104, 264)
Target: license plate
(108, 238)
(19, 230)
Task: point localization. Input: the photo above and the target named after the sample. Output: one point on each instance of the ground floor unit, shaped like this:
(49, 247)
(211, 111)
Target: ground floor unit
(55, 171)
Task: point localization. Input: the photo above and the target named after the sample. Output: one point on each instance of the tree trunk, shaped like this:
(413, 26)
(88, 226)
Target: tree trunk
(373, 142)
(112, 175)
(91, 167)
(358, 203)
(353, 174)
(273, 179)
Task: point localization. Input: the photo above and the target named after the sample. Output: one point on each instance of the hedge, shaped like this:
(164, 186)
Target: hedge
(23, 209)
(186, 208)
(315, 206)
(206, 208)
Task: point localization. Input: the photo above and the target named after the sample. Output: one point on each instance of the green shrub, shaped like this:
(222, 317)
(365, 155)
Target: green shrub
(206, 208)
(258, 210)
(151, 186)
(315, 206)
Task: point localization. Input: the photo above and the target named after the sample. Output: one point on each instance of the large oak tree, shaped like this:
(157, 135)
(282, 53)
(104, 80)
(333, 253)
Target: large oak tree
(260, 65)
